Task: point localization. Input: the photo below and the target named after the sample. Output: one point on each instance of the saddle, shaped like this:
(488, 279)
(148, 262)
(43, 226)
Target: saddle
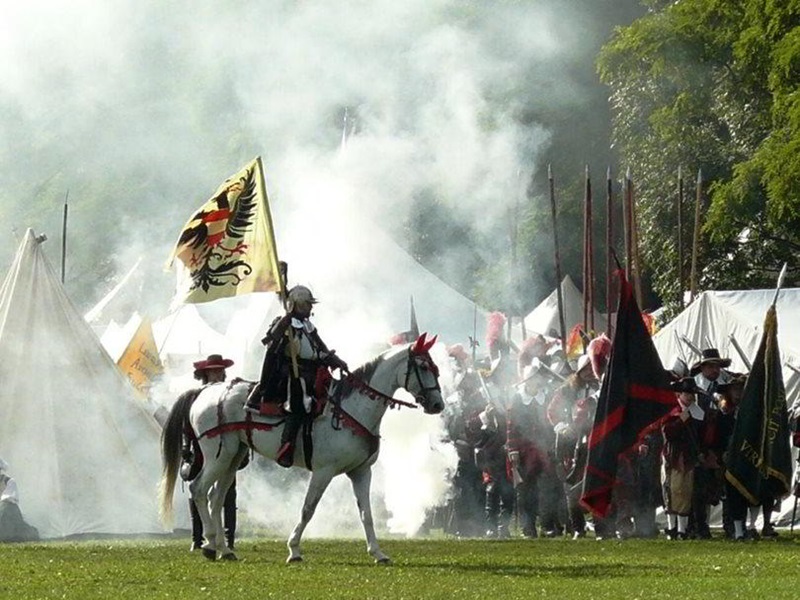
(323, 393)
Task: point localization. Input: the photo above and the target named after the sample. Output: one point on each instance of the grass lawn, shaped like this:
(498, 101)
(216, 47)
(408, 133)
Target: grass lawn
(429, 568)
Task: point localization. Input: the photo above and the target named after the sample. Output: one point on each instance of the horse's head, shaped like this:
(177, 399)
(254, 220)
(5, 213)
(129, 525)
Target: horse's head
(422, 376)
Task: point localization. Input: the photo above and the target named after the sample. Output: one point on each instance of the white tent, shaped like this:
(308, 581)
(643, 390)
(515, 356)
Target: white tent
(544, 318)
(83, 449)
(714, 317)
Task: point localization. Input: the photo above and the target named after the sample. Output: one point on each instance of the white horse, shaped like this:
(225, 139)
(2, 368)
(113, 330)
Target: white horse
(345, 440)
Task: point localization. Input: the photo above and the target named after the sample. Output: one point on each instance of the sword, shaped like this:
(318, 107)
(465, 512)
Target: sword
(691, 346)
(741, 353)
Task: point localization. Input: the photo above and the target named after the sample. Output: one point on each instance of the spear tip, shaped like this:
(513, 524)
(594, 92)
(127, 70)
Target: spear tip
(549, 171)
(781, 277)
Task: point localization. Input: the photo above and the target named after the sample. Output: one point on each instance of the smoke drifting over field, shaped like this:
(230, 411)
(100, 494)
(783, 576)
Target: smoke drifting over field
(140, 109)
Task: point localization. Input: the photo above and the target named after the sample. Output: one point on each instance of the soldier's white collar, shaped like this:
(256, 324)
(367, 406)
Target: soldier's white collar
(305, 325)
(703, 382)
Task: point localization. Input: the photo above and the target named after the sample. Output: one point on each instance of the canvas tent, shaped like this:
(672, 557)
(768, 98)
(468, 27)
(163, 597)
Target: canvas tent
(544, 319)
(713, 317)
(83, 449)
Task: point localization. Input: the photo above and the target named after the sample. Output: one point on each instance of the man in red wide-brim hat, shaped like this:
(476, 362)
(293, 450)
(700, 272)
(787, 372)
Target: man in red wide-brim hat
(212, 369)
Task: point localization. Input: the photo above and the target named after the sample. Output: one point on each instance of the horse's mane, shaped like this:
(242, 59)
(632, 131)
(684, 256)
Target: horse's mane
(363, 373)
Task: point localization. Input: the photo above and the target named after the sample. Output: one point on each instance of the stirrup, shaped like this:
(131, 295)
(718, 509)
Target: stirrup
(251, 408)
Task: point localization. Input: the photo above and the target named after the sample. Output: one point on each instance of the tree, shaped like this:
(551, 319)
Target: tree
(708, 84)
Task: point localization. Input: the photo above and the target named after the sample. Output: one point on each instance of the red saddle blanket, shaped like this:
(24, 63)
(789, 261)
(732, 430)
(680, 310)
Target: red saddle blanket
(275, 407)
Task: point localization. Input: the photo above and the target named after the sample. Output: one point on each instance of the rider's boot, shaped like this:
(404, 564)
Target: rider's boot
(285, 457)
(197, 527)
(253, 403)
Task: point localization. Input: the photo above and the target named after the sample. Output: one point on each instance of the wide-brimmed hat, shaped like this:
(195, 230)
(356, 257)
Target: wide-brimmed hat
(685, 384)
(214, 361)
(710, 356)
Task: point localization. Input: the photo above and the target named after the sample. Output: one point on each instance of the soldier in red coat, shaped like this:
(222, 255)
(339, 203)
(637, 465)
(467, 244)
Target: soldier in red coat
(680, 455)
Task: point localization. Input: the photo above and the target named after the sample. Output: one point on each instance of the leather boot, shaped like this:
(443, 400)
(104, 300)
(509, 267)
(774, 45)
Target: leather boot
(197, 527)
(285, 457)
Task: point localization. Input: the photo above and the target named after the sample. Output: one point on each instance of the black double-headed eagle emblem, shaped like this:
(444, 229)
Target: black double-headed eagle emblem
(212, 246)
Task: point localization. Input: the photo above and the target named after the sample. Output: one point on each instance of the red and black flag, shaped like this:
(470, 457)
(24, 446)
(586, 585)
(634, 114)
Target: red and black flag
(634, 396)
(760, 454)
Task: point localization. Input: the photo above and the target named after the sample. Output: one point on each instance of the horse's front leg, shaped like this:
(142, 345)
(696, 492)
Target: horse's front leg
(316, 487)
(361, 479)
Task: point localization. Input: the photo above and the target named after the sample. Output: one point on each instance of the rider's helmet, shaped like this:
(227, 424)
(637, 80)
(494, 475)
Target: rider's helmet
(299, 301)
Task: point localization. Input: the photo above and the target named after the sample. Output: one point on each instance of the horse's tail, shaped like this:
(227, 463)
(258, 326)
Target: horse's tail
(171, 442)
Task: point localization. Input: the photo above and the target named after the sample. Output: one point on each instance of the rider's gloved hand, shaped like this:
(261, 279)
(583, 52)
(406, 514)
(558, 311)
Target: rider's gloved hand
(334, 362)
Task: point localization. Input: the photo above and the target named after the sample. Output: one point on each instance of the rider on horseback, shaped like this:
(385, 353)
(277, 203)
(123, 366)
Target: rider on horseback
(295, 353)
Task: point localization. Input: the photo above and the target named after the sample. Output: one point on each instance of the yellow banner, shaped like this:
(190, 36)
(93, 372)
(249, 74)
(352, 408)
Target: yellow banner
(140, 361)
(227, 248)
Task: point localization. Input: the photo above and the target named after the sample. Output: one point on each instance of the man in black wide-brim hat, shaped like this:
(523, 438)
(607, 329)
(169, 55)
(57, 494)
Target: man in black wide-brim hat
(708, 374)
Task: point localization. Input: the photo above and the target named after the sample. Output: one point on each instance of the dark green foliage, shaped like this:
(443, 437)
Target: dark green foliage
(711, 85)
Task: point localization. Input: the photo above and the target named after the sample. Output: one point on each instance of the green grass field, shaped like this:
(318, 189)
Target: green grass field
(440, 568)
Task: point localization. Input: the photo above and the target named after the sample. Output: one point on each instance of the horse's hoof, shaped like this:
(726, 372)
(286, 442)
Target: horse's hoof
(294, 559)
(383, 561)
(210, 554)
(230, 556)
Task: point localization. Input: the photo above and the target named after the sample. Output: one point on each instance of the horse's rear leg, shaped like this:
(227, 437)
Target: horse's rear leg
(361, 479)
(217, 502)
(198, 490)
(316, 487)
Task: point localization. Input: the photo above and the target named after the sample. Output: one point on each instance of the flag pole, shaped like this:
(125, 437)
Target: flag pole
(780, 284)
(626, 209)
(64, 240)
(282, 266)
(559, 295)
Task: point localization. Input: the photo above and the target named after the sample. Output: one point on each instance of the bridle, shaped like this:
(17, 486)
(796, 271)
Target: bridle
(413, 366)
(339, 414)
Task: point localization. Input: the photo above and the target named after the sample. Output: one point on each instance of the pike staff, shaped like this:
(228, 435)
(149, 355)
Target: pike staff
(696, 235)
(609, 243)
(557, 258)
(680, 238)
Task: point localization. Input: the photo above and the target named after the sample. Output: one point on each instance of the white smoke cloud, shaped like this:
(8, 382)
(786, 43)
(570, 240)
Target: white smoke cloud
(174, 90)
